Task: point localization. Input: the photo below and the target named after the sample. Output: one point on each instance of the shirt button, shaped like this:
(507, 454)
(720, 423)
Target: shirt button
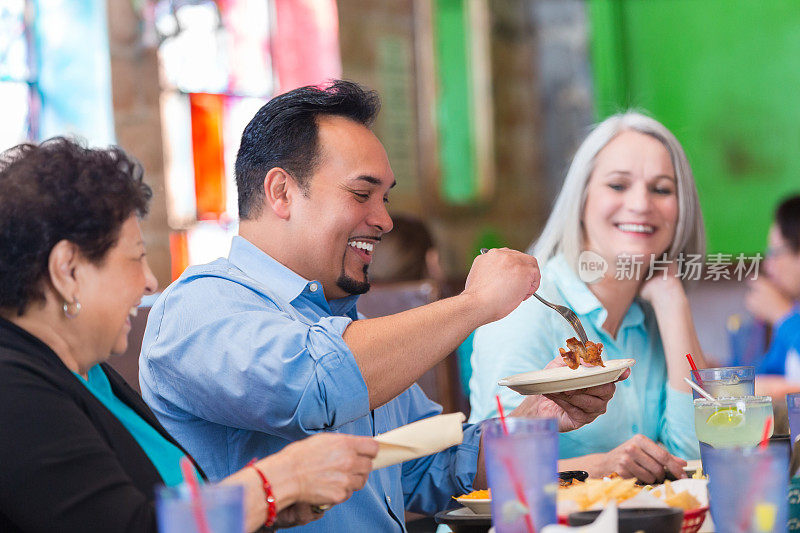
(635, 428)
(313, 287)
(389, 499)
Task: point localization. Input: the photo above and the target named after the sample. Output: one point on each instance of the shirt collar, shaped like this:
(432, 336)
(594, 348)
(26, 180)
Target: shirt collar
(260, 266)
(286, 283)
(343, 306)
(582, 300)
(574, 291)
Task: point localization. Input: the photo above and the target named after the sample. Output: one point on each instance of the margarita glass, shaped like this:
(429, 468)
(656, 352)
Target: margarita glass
(732, 421)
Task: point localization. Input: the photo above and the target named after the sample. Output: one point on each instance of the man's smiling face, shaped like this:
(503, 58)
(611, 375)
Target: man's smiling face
(342, 214)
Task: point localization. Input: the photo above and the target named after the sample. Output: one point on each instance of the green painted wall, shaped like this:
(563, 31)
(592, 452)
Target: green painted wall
(459, 184)
(724, 76)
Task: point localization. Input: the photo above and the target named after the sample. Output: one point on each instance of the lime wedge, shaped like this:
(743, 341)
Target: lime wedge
(728, 417)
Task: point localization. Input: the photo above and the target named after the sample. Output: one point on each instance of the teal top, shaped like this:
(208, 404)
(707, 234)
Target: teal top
(164, 455)
(529, 338)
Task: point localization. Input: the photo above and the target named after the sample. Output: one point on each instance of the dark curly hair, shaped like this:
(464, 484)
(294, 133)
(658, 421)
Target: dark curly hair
(283, 133)
(787, 217)
(60, 190)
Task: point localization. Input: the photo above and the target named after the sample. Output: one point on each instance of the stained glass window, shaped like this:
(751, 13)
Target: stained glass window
(218, 68)
(55, 73)
(74, 70)
(216, 73)
(17, 81)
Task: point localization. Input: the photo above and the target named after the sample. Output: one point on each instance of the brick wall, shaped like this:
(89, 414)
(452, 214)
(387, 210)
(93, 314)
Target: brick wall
(137, 120)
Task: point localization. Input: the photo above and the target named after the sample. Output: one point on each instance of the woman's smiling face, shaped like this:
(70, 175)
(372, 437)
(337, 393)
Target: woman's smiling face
(631, 199)
(111, 290)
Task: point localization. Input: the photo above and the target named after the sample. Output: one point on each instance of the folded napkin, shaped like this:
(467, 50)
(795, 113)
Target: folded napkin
(418, 439)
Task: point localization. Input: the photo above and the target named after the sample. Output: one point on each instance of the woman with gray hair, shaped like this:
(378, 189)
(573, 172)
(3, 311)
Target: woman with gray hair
(626, 220)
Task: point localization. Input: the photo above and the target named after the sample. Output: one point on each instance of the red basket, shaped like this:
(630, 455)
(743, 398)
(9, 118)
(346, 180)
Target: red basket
(693, 519)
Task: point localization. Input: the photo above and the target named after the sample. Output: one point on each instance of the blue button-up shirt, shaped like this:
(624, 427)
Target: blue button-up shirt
(243, 356)
(785, 339)
(529, 338)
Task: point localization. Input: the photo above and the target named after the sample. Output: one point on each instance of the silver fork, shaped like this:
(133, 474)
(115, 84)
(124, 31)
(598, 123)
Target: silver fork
(568, 314)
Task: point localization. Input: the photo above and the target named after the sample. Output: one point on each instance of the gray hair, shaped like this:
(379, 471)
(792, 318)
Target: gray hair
(563, 233)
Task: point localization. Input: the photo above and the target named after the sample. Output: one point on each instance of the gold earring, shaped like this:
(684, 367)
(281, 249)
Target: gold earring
(67, 314)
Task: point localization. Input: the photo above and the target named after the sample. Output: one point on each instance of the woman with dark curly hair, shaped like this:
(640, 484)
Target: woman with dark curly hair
(80, 450)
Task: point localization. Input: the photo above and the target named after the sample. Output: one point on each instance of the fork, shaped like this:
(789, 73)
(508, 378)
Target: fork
(568, 314)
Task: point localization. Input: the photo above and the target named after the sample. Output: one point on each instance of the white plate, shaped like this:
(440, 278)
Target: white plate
(477, 506)
(563, 378)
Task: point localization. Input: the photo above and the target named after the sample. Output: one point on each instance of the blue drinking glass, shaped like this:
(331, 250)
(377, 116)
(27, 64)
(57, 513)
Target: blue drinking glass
(524, 461)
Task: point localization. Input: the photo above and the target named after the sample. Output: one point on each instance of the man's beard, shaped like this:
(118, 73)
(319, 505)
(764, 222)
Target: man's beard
(353, 286)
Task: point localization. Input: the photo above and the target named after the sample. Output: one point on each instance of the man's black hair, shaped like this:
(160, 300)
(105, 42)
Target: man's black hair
(284, 133)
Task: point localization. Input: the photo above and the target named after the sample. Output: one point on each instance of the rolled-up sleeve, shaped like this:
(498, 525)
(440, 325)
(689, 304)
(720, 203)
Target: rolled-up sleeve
(429, 482)
(249, 365)
(677, 425)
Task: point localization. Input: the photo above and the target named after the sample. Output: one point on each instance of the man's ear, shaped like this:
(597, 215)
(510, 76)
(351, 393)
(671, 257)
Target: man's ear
(278, 185)
(63, 261)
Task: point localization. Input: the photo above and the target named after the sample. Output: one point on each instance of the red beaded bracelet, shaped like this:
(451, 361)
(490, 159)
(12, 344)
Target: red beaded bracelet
(270, 498)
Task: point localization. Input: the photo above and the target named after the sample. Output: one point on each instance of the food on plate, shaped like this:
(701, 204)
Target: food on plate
(576, 350)
(682, 499)
(563, 483)
(595, 493)
(698, 474)
(600, 491)
(593, 353)
(570, 357)
(484, 494)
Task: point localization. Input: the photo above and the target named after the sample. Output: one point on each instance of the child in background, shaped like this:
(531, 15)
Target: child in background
(774, 297)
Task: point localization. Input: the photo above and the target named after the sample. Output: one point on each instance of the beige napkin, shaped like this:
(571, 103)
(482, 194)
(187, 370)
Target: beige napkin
(418, 439)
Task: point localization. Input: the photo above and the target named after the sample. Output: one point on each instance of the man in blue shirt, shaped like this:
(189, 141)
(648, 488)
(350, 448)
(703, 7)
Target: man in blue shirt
(246, 354)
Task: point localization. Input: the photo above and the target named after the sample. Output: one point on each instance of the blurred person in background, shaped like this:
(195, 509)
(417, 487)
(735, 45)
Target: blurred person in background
(774, 298)
(80, 449)
(629, 191)
(407, 253)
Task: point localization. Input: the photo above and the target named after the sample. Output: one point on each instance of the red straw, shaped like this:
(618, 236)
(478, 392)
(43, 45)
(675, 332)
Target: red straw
(194, 491)
(694, 367)
(502, 414)
(514, 481)
(765, 436)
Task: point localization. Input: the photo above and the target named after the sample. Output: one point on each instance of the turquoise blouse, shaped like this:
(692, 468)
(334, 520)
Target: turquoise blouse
(529, 338)
(163, 454)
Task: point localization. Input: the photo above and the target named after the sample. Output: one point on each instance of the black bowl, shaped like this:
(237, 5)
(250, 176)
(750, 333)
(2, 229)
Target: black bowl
(659, 520)
(464, 523)
(569, 475)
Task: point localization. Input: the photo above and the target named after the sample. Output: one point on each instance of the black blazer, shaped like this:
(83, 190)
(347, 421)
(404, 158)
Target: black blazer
(66, 462)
